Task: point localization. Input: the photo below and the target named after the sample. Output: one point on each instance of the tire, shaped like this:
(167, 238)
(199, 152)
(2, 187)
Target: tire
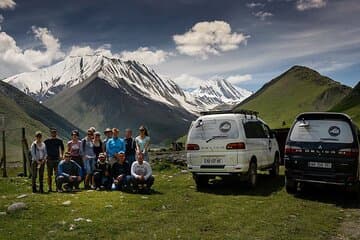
(274, 171)
(252, 175)
(201, 181)
(290, 186)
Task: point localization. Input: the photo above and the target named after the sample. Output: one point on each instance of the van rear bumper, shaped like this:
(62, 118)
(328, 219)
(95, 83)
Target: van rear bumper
(217, 170)
(339, 179)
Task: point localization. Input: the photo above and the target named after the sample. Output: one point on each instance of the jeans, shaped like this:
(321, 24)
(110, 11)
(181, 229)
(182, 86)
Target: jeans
(89, 165)
(60, 180)
(149, 182)
(101, 180)
(34, 167)
(130, 159)
(124, 183)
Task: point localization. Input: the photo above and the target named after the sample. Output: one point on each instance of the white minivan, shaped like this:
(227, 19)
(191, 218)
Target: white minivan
(223, 143)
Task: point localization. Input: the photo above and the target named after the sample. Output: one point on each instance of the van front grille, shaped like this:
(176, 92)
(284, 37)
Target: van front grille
(212, 166)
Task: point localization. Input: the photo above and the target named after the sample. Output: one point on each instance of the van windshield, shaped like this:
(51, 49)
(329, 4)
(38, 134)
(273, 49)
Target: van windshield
(322, 131)
(215, 129)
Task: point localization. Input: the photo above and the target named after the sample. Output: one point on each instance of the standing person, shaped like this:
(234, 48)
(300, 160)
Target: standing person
(55, 152)
(38, 156)
(108, 134)
(102, 174)
(141, 174)
(68, 172)
(114, 145)
(73, 146)
(130, 147)
(120, 173)
(88, 155)
(143, 143)
(98, 145)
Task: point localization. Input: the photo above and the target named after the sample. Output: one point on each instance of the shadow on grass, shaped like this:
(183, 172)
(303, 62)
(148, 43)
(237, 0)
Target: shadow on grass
(329, 194)
(266, 185)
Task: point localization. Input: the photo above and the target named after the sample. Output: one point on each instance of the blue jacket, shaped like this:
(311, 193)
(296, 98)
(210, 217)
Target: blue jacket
(70, 168)
(114, 145)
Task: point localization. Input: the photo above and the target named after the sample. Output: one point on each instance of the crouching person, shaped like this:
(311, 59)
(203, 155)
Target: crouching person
(121, 173)
(141, 174)
(102, 177)
(69, 172)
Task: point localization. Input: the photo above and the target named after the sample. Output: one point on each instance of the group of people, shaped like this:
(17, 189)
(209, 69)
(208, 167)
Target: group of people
(113, 163)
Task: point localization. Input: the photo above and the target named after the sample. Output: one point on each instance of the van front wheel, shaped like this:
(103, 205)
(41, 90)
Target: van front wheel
(290, 186)
(201, 181)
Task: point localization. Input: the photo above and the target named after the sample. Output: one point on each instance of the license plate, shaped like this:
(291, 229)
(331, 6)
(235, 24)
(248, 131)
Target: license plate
(320, 165)
(213, 161)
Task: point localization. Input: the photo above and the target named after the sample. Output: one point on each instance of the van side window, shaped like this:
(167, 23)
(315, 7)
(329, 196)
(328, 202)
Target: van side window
(254, 130)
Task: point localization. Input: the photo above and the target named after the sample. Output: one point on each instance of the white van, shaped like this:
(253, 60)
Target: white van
(223, 143)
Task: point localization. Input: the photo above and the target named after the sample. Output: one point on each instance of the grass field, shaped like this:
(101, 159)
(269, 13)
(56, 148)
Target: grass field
(176, 210)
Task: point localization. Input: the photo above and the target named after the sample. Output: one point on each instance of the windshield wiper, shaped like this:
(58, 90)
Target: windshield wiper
(214, 137)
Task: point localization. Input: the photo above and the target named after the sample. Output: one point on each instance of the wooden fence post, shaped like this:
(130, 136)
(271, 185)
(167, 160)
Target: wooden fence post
(25, 150)
(4, 154)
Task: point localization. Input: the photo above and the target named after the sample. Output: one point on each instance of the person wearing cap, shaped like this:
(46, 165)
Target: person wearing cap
(114, 145)
(143, 143)
(108, 134)
(98, 144)
(102, 174)
(69, 172)
(38, 157)
(55, 152)
(130, 146)
(141, 174)
(73, 146)
(120, 173)
(89, 157)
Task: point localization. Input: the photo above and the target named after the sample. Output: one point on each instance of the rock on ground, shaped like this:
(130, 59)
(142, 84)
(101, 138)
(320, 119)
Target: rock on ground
(16, 207)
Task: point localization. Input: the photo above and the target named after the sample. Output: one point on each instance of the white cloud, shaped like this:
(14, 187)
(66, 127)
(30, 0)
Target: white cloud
(303, 5)
(237, 79)
(263, 15)
(13, 59)
(186, 81)
(104, 50)
(7, 4)
(146, 56)
(206, 38)
(254, 5)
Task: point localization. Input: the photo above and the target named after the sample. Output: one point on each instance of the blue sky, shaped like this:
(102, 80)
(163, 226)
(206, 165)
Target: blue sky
(247, 42)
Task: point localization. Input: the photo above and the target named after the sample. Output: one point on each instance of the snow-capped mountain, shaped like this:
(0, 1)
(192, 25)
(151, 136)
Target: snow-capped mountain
(129, 76)
(216, 92)
(47, 82)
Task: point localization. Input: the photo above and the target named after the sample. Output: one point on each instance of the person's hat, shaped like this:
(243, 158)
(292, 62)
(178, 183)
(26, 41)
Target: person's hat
(121, 152)
(141, 128)
(53, 129)
(101, 155)
(107, 130)
(93, 129)
(38, 133)
(97, 134)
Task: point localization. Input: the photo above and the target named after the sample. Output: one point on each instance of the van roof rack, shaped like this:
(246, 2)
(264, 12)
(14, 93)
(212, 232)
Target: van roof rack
(237, 111)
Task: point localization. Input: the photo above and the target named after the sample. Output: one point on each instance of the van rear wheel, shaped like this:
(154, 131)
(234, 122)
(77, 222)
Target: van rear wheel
(252, 175)
(201, 181)
(274, 171)
(290, 186)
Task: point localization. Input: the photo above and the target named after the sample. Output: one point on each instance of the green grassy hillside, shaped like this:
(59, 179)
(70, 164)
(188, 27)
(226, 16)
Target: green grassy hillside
(350, 104)
(299, 89)
(22, 111)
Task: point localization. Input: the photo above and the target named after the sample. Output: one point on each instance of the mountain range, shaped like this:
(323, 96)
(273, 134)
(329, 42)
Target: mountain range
(105, 92)
(297, 90)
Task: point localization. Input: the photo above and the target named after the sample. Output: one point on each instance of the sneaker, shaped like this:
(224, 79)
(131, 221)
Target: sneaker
(60, 191)
(97, 189)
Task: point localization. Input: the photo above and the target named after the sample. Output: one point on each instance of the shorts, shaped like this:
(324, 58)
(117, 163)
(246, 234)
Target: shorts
(51, 166)
(89, 165)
